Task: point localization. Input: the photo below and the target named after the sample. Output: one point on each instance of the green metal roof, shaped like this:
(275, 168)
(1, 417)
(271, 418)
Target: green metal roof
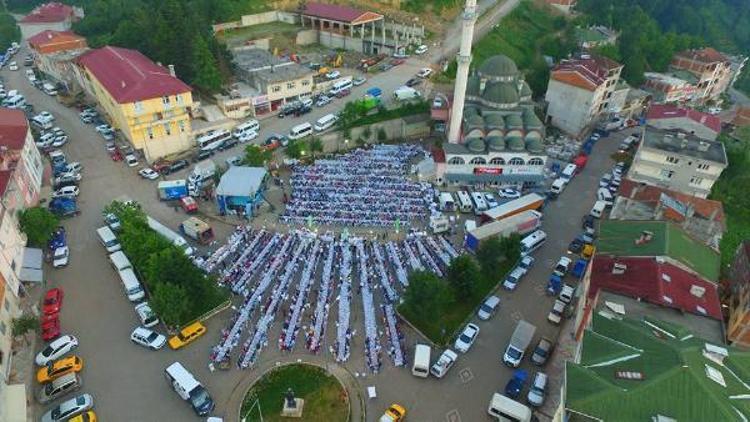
(498, 66)
(674, 380)
(618, 237)
(501, 93)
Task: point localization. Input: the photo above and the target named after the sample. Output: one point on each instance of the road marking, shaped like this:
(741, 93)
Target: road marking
(466, 375)
(516, 316)
(453, 416)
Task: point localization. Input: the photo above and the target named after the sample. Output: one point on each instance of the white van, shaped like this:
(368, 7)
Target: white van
(189, 389)
(108, 239)
(447, 203)
(533, 242)
(569, 171)
(506, 409)
(325, 122)
(133, 288)
(558, 186)
(120, 261)
(464, 201)
(603, 194)
(480, 205)
(300, 131)
(247, 127)
(16, 101)
(341, 85)
(598, 209)
(421, 366)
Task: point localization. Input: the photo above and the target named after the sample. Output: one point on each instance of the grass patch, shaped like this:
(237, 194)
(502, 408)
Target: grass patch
(277, 31)
(407, 109)
(437, 6)
(325, 399)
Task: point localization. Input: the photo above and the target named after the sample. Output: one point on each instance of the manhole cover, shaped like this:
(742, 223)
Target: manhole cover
(466, 375)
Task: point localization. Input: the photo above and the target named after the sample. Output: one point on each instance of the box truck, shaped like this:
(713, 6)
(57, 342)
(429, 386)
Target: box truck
(170, 190)
(519, 342)
(523, 223)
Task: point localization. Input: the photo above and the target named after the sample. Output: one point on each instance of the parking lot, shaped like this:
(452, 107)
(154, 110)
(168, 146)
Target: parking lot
(127, 381)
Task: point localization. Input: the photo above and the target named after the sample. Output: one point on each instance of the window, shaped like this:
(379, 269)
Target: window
(275, 88)
(498, 161)
(165, 100)
(150, 133)
(696, 181)
(673, 160)
(667, 174)
(516, 161)
(138, 107)
(181, 124)
(6, 304)
(703, 166)
(167, 129)
(291, 85)
(478, 160)
(305, 82)
(178, 98)
(2, 328)
(536, 162)
(456, 161)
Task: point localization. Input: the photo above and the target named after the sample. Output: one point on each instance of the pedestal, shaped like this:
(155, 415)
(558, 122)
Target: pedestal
(293, 412)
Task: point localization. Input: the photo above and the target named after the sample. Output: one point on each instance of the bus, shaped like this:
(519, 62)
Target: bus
(533, 242)
(213, 137)
(464, 201)
(480, 205)
(170, 235)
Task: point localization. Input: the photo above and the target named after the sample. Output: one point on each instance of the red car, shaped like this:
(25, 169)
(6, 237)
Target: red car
(52, 301)
(343, 93)
(396, 62)
(51, 329)
(48, 318)
(116, 155)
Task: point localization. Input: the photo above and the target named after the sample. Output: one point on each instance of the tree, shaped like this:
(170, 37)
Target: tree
(256, 156)
(38, 223)
(295, 149)
(23, 324)
(463, 274)
(490, 255)
(316, 145)
(347, 116)
(171, 303)
(511, 246)
(206, 72)
(367, 133)
(426, 295)
(382, 135)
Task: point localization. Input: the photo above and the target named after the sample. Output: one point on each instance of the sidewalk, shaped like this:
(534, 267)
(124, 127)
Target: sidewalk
(23, 368)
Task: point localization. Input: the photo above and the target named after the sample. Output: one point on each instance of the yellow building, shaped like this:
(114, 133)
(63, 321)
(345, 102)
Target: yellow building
(144, 100)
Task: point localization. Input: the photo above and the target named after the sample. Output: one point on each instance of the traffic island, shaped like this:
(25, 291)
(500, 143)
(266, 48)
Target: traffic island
(321, 394)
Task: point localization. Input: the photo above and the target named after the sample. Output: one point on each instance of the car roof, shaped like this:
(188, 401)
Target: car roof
(142, 331)
(492, 300)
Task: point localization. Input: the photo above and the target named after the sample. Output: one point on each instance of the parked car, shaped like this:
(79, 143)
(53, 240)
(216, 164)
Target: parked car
(104, 129)
(563, 266)
(51, 329)
(424, 73)
(397, 62)
(66, 192)
(146, 315)
(148, 338)
(52, 301)
(488, 308)
(526, 262)
(467, 337)
(341, 94)
(56, 349)
(413, 82)
(491, 202)
(508, 193)
(359, 80)
(58, 388)
(334, 74)
(323, 100)
(58, 368)
(176, 166)
(112, 222)
(537, 390)
(542, 351)
(131, 160)
(556, 313)
(247, 136)
(444, 363)
(74, 167)
(60, 257)
(148, 173)
(515, 385)
(69, 408)
(88, 416)
(421, 49)
(576, 245)
(512, 280)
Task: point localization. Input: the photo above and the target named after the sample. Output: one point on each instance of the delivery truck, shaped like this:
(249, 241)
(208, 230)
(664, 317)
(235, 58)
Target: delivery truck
(532, 201)
(519, 342)
(170, 190)
(522, 223)
(198, 230)
(439, 224)
(406, 93)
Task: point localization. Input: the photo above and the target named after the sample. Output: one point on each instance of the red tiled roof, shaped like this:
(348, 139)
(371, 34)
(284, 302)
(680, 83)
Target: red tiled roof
(13, 129)
(4, 179)
(659, 283)
(742, 117)
(572, 77)
(704, 55)
(587, 73)
(48, 13)
(651, 194)
(130, 76)
(53, 37)
(672, 112)
(337, 13)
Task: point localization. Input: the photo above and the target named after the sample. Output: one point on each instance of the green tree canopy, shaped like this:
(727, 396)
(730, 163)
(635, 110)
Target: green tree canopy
(426, 295)
(206, 72)
(463, 275)
(170, 301)
(37, 224)
(256, 156)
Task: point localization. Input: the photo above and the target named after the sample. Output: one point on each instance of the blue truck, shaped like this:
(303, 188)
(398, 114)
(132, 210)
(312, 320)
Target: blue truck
(579, 268)
(64, 207)
(554, 285)
(170, 190)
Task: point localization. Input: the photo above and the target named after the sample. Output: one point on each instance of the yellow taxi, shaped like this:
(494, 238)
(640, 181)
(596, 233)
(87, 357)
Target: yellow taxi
(89, 416)
(59, 368)
(187, 335)
(395, 413)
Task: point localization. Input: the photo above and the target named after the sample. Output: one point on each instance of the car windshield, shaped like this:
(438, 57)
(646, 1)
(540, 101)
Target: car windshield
(152, 337)
(464, 338)
(541, 352)
(200, 399)
(513, 353)
(50, 301)
(486, 308)
(60, 253)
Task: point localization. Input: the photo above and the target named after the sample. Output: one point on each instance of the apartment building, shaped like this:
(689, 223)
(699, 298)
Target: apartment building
(55, 53)
(738, 327)
(678, 161)
(713, 70)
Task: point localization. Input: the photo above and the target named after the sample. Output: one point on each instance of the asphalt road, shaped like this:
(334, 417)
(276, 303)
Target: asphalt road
(126, 380)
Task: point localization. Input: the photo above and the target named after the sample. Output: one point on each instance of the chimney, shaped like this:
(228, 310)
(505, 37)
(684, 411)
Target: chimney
(171, 70)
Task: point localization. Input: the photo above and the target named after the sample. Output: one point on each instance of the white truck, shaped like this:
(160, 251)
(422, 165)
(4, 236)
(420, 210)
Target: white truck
(439, 224)
(406, 93)
(170, 235)
(444, 363)
(519, 342)
(202, 171)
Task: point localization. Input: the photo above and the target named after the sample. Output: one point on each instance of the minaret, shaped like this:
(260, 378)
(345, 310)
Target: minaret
(462, 72)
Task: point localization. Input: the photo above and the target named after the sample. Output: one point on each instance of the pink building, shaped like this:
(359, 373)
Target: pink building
(20, 160)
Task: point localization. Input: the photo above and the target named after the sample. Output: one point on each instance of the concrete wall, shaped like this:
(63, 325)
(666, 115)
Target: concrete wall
(395, 129)
(259, 18)
(685, 124)
(307, 37)
(569, 107)
(648, 166)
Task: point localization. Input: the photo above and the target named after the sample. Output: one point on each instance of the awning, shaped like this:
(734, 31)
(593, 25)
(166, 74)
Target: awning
(490, 178)
(14, 403)
(31, 269)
